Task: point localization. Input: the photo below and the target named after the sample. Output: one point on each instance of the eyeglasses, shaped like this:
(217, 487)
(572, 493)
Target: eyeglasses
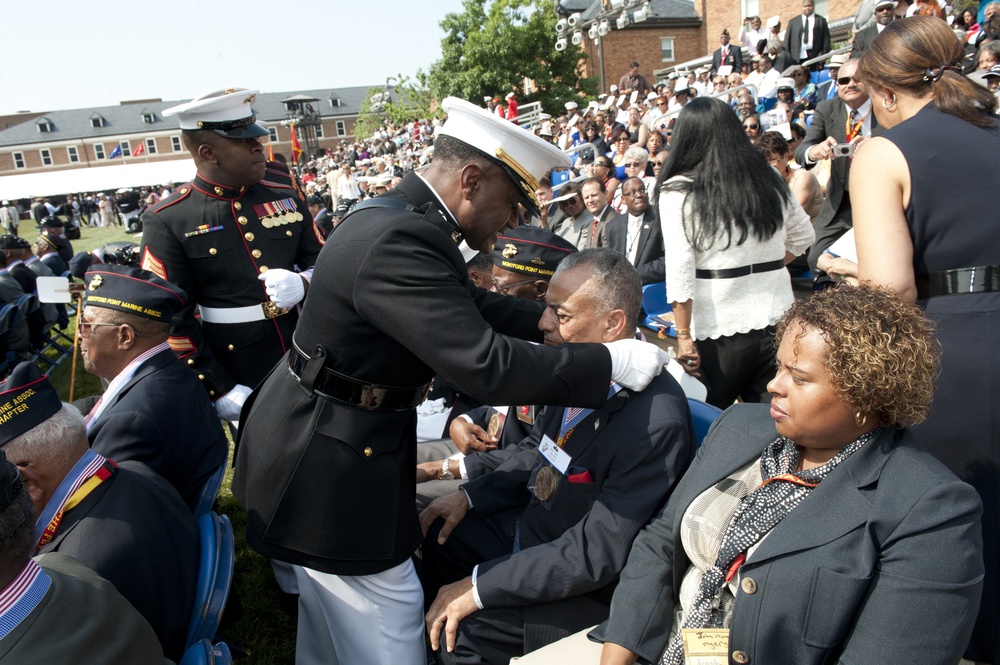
(634, 193)
(621, 138)
(570, 202)
(604, 164)
(86, 328)
(751, 126)
(656, 163)
(505, 289)
(634, 165)
(845, 80)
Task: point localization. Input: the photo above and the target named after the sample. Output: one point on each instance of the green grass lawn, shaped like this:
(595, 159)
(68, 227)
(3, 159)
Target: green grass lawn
(255, 622)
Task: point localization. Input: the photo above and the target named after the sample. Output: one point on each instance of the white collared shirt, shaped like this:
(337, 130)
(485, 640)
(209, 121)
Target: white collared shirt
(123, 377)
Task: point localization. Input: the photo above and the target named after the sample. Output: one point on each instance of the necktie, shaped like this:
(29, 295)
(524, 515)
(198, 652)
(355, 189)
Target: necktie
(93, 411)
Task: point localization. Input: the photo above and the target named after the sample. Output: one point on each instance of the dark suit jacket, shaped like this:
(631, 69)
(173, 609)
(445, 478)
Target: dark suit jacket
(649, 253)
(734, 58)
(134, 531)
(820, 37)
(391, 304)
(830, 119)
(636, 448)
(863, 40)
(163, 418)
(881, 563)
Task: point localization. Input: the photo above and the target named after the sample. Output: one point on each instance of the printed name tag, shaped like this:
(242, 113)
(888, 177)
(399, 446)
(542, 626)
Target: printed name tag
(556, 456)
(708, 646)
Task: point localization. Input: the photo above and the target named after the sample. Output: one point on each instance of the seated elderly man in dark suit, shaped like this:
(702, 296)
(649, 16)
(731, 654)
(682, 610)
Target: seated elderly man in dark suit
(155, 410)
(637, 235)
(55, 609)
(122, 521)
(531, 551)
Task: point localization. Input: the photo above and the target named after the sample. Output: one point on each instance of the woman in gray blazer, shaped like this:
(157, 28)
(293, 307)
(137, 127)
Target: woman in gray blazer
(813, 530)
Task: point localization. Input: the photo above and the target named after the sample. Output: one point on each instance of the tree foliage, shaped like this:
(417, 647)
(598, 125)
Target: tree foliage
(400, 101)
(493, 45)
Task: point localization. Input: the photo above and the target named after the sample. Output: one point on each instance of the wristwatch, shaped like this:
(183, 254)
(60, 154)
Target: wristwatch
(446, 473)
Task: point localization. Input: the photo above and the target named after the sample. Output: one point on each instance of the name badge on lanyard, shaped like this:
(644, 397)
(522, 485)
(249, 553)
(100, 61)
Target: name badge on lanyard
(705, 646)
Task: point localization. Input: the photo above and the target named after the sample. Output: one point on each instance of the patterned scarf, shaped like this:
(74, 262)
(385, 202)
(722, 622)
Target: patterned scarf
(781, 491)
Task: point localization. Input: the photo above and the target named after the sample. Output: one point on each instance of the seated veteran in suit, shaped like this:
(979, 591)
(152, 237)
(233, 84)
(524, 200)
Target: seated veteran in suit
(54, 610)
(531, 551)
(155, 410)
(524, 259)
(814, 530)
(637, 235)
(123, 521)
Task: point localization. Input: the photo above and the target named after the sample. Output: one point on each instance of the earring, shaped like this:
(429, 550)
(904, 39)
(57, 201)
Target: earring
(888, 106)
(860, 418)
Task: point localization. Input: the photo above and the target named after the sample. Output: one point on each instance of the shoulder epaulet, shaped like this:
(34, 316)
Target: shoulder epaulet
(178, 195)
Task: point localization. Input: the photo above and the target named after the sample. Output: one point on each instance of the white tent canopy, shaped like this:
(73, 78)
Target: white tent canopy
(95, 178)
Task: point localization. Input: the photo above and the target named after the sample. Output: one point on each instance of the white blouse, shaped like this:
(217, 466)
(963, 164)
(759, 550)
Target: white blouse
(722, 307)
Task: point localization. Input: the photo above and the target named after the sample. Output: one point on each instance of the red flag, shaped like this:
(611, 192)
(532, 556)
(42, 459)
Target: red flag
(140, 150)
(270, 151)
(296, 148)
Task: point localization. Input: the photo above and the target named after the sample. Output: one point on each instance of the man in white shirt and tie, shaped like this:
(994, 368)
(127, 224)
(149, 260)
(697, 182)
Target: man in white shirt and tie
(808, 35)
(637, 234)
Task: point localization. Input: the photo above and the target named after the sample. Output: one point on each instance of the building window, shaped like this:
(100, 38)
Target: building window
(341, 128)
(126, 149)
(150, 146)
(750, 8)
(19, 160)
(73, 155)
(667, 49)
(99, 150)
(319, 131)
(148, 118)
(46, 155)
(97, 121)
(272, 134)
(175, 143)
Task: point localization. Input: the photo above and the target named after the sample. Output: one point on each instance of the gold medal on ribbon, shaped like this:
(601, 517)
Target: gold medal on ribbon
(546, 481)
(493, 429)
(298, 216)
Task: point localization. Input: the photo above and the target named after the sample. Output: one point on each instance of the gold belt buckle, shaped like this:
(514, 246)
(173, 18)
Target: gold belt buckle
(272, 311)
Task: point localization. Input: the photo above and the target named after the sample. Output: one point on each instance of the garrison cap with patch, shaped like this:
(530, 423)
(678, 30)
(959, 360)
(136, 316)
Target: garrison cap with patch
(524, 157)
(224, 112)
(531, 251)
(133, 291)
(9, 241)
(27, 399)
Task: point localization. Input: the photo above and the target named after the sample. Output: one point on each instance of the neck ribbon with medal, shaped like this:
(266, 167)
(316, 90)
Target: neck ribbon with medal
(87, 474)
(553, 460)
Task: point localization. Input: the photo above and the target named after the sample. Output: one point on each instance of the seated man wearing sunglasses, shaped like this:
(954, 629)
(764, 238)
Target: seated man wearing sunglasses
(848, 118)
(575, 222)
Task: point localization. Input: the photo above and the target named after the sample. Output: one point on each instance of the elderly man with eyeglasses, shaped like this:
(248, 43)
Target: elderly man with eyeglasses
(575, 222)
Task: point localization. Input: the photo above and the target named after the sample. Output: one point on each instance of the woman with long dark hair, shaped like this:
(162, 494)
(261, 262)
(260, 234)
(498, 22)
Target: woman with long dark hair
(730, 224)
(941, 136)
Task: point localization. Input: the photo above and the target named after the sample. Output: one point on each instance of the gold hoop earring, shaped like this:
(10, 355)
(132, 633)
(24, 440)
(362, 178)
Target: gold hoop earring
(860, 418)
(888, 106)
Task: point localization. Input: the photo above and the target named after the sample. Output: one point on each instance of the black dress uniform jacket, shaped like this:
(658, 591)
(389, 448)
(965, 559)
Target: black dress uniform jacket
(214, 241)
(331, 486)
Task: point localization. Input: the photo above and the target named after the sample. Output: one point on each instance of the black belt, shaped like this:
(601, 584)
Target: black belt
(334, 386)
(729, 273)
(982, 279)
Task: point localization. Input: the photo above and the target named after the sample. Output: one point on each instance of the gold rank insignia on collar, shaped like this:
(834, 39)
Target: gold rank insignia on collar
(456, 237)
(509, 251)
(96, 282)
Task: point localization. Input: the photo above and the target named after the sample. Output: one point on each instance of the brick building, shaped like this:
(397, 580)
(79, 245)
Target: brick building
(79, 138)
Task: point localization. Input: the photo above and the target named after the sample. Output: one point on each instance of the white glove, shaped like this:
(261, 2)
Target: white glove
(229, 405)
(634, 364)
(284, 287)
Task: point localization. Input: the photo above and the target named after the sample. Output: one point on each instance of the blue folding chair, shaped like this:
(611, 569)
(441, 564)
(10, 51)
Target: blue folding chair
(204, 652)
(702, 415)
(820, 76)
(210, 490)
(215, 575)
(654, 302)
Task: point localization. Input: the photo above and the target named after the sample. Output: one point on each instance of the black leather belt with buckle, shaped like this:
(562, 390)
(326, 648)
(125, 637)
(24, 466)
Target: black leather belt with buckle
(729, 273)
(982, 279)
(339, 388)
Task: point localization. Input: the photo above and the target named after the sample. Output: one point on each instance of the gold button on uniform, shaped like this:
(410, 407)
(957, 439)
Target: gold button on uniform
(213, 251)
(256, 253)
(741, 657)
(242, 220)
(184, 190)
(288, 233)
(368, 451)
(263, 269)
(231, 347)
(237, 206)
(201, 377)
(190, 361)
(219, 191)
(249, 237)
(748, 586)
(211, 393)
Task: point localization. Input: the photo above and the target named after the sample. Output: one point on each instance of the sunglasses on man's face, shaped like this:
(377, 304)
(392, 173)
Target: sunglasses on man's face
(751, 126)
(845, 80)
